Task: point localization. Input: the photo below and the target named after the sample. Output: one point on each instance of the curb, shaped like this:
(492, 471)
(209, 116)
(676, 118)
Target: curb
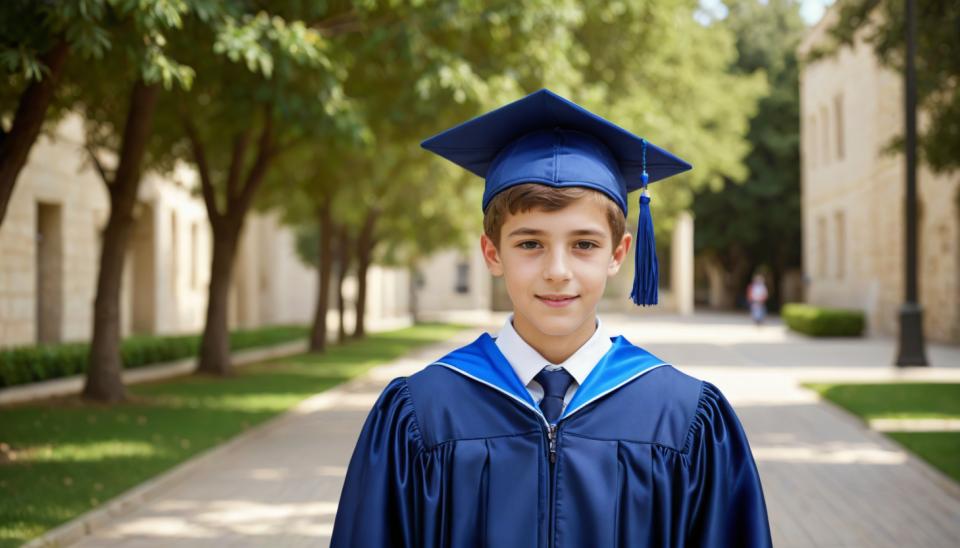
(74, 384)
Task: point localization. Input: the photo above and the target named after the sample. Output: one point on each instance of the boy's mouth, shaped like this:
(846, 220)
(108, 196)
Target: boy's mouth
(557, 300)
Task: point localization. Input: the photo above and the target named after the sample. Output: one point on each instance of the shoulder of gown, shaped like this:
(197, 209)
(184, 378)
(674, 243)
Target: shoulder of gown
(452, 406)
(378, 491)
(725, 498)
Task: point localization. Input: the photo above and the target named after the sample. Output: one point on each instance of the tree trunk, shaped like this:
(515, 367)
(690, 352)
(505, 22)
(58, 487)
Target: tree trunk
(360, 306)
(774, 285)
(343, 268)
(215, 345)
(318, 335)
(27, 120)
(104, 381)
(414, 274)
(365, 244)
(227, 225)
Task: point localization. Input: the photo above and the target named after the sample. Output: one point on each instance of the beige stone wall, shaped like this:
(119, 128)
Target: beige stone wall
(852, 197)
(47, 289)
(56, 174)
(455, 280)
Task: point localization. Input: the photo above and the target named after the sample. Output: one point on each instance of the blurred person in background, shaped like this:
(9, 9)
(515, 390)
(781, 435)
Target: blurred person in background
(757, 297)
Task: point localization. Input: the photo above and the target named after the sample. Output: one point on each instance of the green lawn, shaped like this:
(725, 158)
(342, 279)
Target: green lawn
(63, 457)
(907, 401)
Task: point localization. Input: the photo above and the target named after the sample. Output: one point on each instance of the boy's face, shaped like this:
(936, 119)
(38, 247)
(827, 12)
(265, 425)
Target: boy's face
(556, 265)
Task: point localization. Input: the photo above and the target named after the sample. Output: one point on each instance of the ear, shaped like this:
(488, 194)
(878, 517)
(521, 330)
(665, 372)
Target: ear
(619, 254)
(491, 255)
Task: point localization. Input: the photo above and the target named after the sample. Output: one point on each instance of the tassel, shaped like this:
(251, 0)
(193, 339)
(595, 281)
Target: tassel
(646, 275)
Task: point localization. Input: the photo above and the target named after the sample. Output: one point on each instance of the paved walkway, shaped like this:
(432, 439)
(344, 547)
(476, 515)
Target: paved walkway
(829, 481)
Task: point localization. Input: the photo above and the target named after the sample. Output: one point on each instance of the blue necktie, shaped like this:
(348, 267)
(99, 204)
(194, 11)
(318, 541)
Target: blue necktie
(555, 385)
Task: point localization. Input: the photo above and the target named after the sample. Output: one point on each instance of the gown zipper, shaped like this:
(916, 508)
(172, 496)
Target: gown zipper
(552, 445)
(552, 499)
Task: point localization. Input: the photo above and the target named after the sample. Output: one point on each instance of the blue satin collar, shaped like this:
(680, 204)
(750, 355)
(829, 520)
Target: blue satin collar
(482, 361)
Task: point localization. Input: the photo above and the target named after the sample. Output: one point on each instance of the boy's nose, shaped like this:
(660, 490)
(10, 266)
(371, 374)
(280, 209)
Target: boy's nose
(557, 267)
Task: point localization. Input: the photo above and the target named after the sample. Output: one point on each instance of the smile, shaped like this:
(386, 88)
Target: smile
(557, 300)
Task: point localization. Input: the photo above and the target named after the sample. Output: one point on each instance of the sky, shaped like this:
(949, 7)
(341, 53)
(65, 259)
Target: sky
(810, 10)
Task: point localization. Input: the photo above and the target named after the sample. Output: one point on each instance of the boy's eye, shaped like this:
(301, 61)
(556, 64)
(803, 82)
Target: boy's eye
(533, 244)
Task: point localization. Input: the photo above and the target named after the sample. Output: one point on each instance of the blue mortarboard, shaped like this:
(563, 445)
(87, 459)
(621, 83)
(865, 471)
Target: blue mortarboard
(544, 138)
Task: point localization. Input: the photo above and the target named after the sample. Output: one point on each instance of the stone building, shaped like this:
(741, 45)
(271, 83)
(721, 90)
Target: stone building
(853, 196)
(50, 247)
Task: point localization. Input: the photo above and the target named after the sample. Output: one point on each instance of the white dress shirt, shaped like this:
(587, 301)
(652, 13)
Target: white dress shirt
(527, 362)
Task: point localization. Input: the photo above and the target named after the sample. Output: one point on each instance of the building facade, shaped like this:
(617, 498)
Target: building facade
(50, 250)
(853, 196)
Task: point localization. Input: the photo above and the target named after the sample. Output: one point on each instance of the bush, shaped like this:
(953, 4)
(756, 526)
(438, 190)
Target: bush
(28, 364)
(823, 322)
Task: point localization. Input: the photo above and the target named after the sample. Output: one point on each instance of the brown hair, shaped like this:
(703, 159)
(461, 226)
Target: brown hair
(529, 196)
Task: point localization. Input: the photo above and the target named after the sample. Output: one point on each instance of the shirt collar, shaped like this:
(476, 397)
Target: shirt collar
(527, 362)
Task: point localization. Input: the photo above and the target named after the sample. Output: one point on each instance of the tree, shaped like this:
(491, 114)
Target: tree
(305, 189)
(412, 68)
(37, 39)
(656, 70)
(280, 82)
(745, 226)
(118, 100)
(880, 24)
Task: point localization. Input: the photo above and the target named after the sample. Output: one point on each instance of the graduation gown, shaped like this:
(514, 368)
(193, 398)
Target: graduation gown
(459, 455)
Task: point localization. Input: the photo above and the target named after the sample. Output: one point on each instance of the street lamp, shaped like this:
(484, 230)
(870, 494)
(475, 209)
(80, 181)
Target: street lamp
(911, 350)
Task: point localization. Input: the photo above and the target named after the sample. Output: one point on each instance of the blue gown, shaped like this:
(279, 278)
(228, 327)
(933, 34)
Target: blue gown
(459, 455)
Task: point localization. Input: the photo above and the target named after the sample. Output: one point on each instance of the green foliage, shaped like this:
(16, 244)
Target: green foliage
(254, 61)
(98, 32)
(880, 23)
(823, 322)
(44, 362)
(756, 222)
(60, 458)
(453, 60)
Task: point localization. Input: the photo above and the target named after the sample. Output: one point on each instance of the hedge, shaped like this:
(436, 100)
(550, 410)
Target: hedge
(26, 364)
(823, 322)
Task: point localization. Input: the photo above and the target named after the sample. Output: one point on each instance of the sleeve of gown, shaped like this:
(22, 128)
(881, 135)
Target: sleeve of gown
(378, 502)
(725, 504)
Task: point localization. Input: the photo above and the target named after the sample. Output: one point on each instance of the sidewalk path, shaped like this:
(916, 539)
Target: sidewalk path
(829, 481)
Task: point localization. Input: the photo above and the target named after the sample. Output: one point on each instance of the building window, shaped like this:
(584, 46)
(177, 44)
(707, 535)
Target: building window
(194, 254)
(812, 149)
(840, 245)
(821, 247)
(174, 254)
(463, 277)
(838, 113)
(50, 272)
(825, 135)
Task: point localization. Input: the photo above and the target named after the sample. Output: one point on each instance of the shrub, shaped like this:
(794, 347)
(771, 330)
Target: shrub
(823, 322)
(35, 363)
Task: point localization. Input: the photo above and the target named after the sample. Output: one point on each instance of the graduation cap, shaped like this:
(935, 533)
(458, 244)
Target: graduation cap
(546, 139)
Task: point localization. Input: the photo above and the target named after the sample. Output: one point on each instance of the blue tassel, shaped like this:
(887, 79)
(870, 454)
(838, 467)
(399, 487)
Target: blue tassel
(646, 275)
(646, 269)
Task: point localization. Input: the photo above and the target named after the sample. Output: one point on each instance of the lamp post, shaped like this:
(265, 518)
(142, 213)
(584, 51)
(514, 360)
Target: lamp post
(911, 350)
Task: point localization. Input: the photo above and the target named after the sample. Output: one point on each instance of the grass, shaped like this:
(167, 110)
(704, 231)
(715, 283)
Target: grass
(906, 401)
(60, 458)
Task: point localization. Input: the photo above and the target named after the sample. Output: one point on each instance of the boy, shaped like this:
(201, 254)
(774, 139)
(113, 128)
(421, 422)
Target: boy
(553, 434)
